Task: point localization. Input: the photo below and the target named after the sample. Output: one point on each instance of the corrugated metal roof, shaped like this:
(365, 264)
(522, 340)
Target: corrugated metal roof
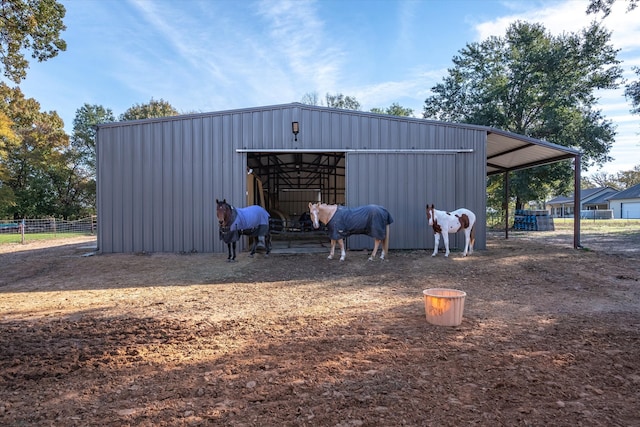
(508, 151)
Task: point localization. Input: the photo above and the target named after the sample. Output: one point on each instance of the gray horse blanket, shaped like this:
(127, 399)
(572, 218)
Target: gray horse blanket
(250, 221)
(371, 220)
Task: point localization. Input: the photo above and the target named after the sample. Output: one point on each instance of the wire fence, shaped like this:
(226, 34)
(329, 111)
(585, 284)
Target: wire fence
(495, 220)
(31, 229)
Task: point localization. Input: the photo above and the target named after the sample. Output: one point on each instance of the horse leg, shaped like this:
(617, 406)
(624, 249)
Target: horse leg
(229, 250)
(267, 243)
(332, 250)
(472, 239)
(466, 241)
(385, 244)
(445, 240)
(436, 237)
(253, 241)
(233, 245)
(375, 250)
(343, 254)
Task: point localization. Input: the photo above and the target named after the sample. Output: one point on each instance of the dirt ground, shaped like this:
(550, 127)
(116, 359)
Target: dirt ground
(550, 336)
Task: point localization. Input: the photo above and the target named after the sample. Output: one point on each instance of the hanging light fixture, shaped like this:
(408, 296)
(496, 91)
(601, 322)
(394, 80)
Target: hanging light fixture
(295, 128)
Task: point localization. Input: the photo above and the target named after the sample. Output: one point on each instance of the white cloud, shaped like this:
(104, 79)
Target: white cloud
(299, 40)
(569, 17)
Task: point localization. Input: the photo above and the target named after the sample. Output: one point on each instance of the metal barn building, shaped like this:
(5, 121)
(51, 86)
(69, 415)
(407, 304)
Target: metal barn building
(158, 179)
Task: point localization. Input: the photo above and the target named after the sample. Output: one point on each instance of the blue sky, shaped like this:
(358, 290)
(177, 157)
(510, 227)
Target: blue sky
(214, 55)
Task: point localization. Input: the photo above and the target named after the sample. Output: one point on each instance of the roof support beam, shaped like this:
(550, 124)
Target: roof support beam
(506, 205)
(513, 150)
(576, 201)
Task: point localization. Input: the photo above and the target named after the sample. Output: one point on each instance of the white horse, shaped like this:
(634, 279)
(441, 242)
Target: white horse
(444, 223)
(341, 222)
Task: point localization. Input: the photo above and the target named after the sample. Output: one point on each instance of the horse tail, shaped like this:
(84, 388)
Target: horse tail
(472, 236)
(385, 242)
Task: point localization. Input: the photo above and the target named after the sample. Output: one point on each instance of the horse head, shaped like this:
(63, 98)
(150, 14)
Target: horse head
(431, 214)
(223, 212)
(314, 212)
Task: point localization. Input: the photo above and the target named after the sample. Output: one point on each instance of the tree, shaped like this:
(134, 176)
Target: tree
(73, 186)
(29, 25)
(620, 180)
(604, 6)
(84, 132)
(341, 101)
(394, 110)
(36, 152)
(311, 98)
(585, 182)
(532, 83)
(602, 179)
(630, 178)
(8, 141)
(153, 109)
(77, 183)
(632, 92)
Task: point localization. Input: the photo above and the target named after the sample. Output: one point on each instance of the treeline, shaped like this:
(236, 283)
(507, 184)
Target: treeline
(44, 172)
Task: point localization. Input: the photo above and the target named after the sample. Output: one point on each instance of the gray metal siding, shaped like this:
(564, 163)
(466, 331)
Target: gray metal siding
(158, 179)
(157, 185)
(405, 183)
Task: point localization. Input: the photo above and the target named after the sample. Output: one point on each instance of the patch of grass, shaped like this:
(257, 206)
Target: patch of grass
(622, 226)
(17, 237)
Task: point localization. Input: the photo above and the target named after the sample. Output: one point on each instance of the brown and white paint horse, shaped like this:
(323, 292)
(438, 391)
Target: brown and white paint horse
(444, 223)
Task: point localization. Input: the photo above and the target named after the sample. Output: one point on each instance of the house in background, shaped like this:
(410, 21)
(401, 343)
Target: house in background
(626, 204)
(594, 201)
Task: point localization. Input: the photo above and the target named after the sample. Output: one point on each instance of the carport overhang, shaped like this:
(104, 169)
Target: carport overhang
(509, 152)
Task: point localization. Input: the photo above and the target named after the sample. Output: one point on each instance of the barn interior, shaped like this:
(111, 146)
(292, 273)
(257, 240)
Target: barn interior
(285, 182)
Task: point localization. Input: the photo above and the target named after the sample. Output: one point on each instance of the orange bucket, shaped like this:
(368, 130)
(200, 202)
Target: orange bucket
(444, 307)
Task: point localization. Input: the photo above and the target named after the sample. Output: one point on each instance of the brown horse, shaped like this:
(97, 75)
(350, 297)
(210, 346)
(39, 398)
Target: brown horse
(252, 221)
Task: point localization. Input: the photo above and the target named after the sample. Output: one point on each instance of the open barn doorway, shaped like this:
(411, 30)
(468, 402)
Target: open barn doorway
(287, 182)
